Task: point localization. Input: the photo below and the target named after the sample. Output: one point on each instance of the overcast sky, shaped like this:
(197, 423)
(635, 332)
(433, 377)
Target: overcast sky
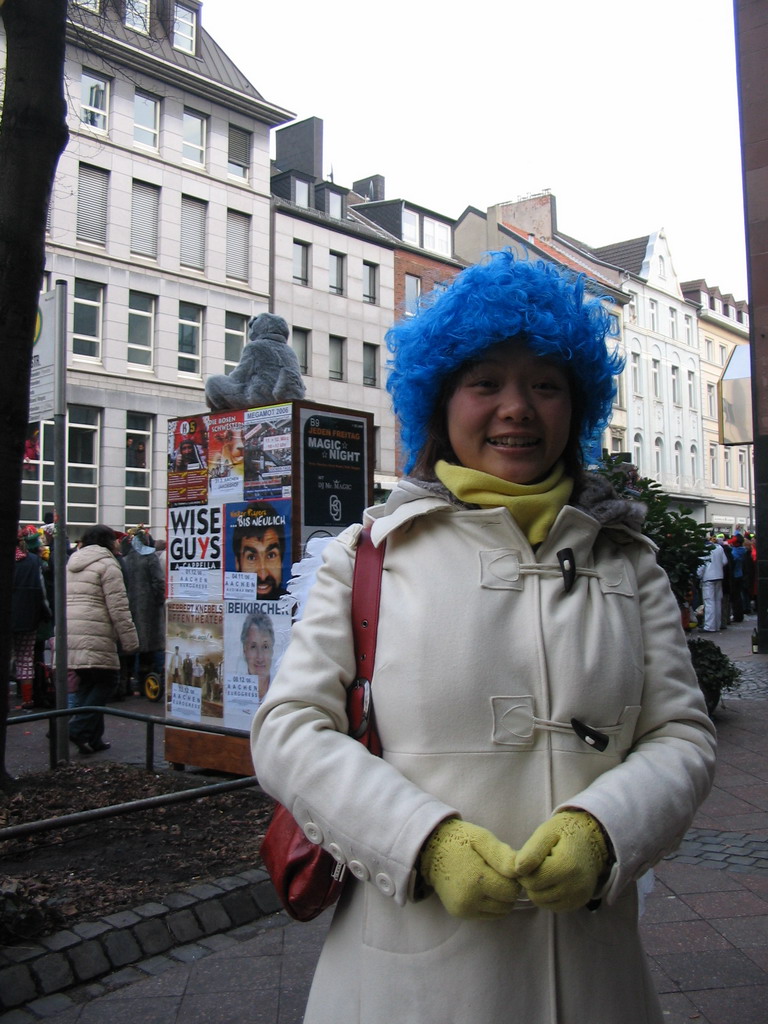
(627, 112)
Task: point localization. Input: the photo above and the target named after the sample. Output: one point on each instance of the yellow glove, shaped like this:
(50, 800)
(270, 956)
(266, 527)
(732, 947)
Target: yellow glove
(559, 866)
(470, 870)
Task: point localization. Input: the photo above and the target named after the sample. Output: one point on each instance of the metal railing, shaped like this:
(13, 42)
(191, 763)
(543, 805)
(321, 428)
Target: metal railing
(113, 810)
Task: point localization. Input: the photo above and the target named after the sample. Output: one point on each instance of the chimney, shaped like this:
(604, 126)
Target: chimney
(299, 147)
(371, 189)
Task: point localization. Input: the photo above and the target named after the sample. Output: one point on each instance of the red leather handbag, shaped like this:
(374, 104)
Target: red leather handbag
(306, 877)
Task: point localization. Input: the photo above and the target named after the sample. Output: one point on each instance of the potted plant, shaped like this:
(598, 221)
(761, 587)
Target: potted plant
(714, 670)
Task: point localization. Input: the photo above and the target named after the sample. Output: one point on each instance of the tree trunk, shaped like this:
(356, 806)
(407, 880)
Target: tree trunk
(33, 133)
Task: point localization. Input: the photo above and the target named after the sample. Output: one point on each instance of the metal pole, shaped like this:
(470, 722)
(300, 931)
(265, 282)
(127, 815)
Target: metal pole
(60, 507)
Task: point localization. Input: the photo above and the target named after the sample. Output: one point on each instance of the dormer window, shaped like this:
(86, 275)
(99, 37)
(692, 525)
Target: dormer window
(410, 227)
(137, 15)
(301, 193)
(185, 28)
(335, 205)
(437, 236)
(662, 267)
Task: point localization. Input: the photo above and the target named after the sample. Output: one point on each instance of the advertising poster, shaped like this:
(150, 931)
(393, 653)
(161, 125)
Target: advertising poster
(334, 472)
(194, 661)
(267, 439)
(225, 456)
(195, 564)
(256, 634)
(188, 461)
(257, 550)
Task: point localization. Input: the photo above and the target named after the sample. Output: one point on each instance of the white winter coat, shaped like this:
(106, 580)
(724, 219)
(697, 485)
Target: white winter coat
(482, 661)
(97, 610)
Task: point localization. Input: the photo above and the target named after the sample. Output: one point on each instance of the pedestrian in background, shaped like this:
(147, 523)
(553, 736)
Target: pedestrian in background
(29, 609)
(98, 617)
(711, 574)
(145, 584)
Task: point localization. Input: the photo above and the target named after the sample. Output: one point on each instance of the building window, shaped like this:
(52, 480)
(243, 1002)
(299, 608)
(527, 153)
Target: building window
(694, 464)
(336, 273)
(727, 467)
(714, 476)
(184, 28)
(300, 345)
(635, 364)
(194, 132)
(676, 385)
(138, 469)
(239, 152)
(301, 193)
(658, 455)
(82, 468)
(688, 330)
(370, 282)
(190, 337)
(335, 358)
(238, 238)
(235, 337)
(192, 233)
(653, 311)
(370, 365)
(137, 15)
(141, 328)
(632, 308)
(335, 205)
(637, 450)
(412, 294)
(88, 5)
(37, 476)
(437, 236)
(673, 323)
(300, 263)
(742, 469)
(678, 461)
(709, 348)
(88, 310)
(692, 403)
(92, 200)
(619, 398)
(711, 402)
(146, 120)
(721, 354)
(94, 100)
(145, 219)
(662, 267)
(410, 227)
(656, 377)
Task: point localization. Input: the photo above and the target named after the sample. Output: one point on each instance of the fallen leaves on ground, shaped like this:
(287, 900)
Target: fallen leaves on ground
(80, 872)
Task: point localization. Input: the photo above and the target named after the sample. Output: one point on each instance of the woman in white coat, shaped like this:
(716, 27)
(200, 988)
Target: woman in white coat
(98, 616)
(545, 741)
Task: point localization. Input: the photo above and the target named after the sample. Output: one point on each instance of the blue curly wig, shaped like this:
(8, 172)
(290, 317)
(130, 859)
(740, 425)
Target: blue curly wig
(502, 298)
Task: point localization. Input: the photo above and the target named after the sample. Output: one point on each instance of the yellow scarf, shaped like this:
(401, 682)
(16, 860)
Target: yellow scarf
(533, 506)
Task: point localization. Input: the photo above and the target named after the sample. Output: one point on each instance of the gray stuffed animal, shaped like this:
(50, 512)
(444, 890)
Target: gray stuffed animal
(268, 371)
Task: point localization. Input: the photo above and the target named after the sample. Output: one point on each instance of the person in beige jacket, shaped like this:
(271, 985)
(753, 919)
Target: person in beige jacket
(98, 616)
(544, 738)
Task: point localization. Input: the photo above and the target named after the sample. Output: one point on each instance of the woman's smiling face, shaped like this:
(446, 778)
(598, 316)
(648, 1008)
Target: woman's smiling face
(510, 414)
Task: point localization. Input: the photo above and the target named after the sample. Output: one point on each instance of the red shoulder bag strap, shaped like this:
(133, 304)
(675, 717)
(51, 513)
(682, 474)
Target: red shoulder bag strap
(366, 596)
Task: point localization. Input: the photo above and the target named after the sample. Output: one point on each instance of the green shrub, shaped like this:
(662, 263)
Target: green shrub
(714, 670)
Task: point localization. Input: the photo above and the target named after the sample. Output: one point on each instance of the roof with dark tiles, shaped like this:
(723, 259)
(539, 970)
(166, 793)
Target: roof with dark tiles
(629, 255)
(107, 34)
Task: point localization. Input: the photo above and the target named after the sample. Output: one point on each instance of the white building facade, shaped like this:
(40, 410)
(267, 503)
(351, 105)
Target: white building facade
(159, 226)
